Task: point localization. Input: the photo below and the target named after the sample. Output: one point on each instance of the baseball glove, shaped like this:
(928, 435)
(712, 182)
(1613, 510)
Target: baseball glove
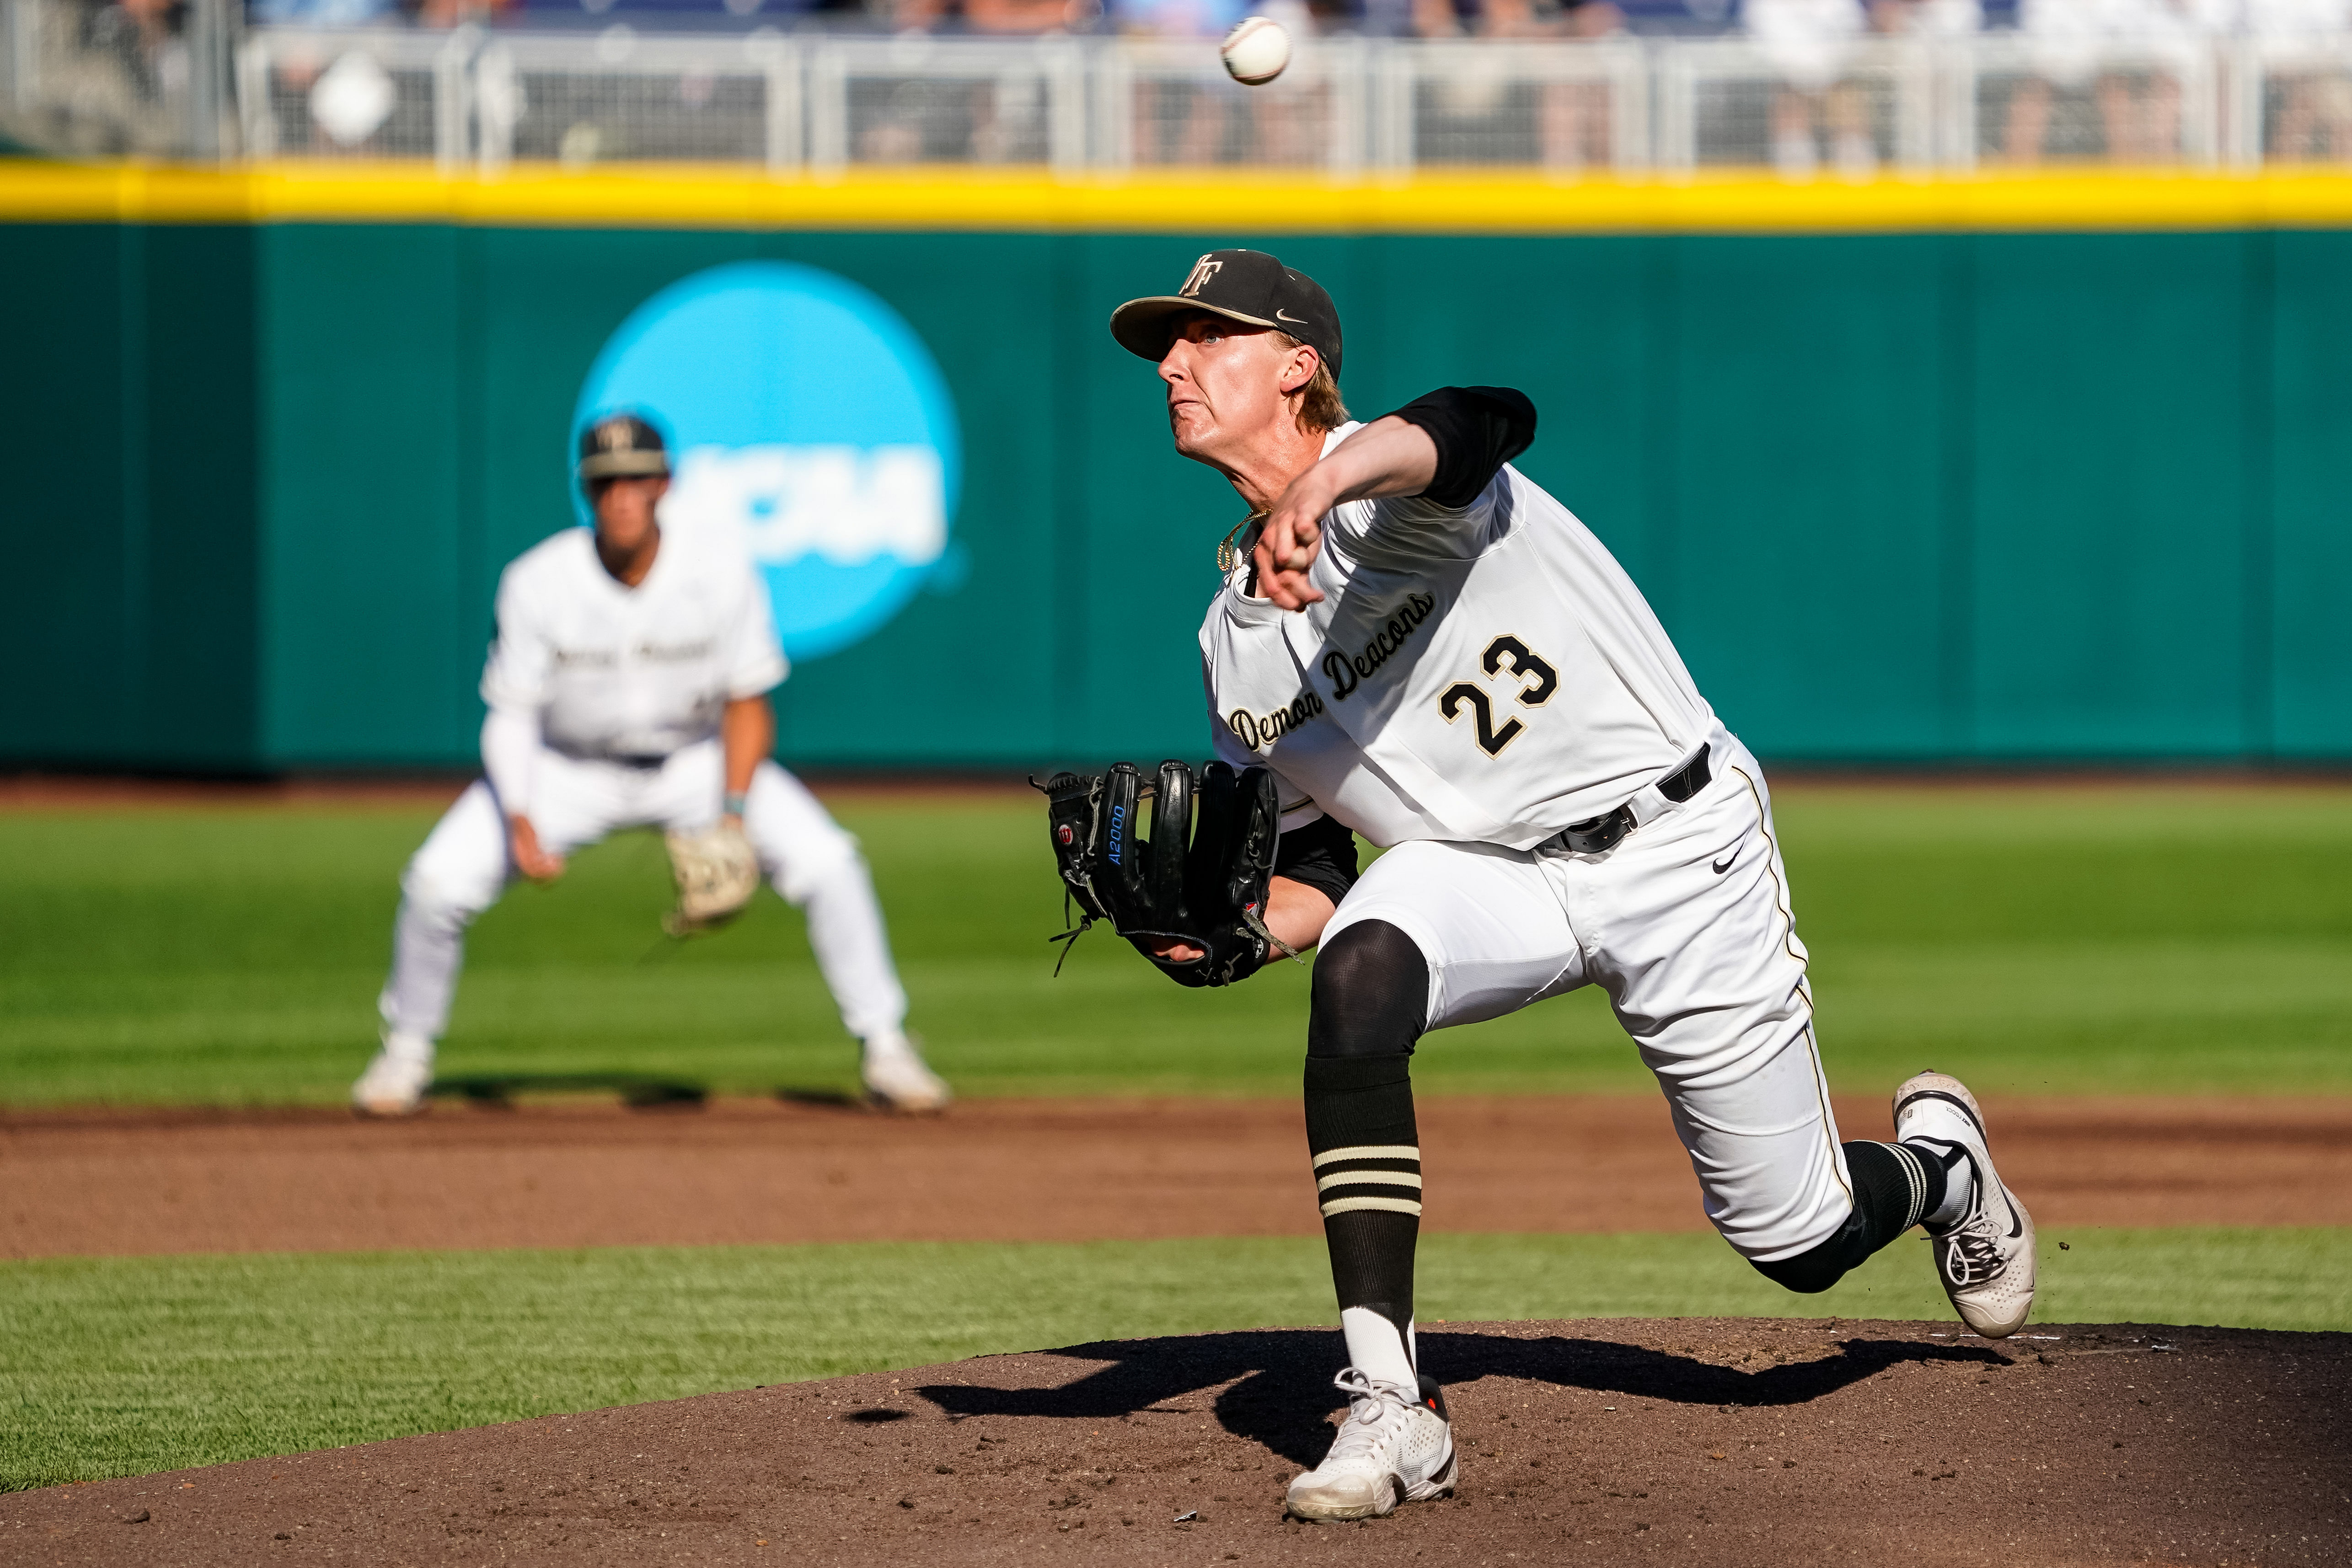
(1200, 878)
(717, 872)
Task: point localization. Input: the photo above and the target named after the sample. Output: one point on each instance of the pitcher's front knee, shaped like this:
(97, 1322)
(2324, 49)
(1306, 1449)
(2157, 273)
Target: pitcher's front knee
(1371, 993)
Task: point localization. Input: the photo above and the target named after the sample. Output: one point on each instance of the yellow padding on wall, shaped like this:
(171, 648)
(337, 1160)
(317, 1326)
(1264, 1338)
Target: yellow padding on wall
(1181, 202)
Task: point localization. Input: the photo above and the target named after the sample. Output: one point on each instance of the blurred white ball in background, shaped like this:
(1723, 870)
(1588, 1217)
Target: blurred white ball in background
(1255, 51)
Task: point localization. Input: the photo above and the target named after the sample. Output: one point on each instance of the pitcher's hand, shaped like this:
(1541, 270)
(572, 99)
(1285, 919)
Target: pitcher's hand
(1293, 536)
(1295, 913)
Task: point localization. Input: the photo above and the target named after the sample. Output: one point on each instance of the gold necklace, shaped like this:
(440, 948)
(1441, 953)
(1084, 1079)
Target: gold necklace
(1228, 556)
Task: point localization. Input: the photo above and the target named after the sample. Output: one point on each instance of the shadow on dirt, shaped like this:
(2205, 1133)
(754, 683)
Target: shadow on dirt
(825, 1099)
(1285, 1388)
(637, 1091)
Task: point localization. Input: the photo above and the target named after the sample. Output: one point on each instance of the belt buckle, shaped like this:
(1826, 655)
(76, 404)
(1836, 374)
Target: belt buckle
(1598, 835)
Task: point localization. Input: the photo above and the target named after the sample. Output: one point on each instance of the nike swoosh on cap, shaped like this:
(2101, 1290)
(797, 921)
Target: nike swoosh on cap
(1279, 316)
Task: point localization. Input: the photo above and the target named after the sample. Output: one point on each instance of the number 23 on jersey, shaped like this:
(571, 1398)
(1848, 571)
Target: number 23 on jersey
(1518, 674)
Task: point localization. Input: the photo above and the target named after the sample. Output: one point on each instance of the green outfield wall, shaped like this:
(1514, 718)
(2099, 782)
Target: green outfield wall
(1899, 496)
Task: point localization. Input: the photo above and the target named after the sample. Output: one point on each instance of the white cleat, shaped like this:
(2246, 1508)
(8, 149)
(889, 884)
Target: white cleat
(1986, 1257)
(392, 1085)
(1395, 1446)
(897, 1079)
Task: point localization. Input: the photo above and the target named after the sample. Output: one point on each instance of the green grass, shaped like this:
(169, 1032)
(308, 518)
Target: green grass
(2151, 939)
(119, 1366)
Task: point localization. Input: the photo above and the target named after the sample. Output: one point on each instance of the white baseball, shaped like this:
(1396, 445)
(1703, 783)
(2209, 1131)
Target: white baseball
(1256, 50)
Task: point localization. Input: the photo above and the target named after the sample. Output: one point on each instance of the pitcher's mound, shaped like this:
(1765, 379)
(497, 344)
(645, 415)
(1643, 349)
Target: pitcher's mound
(1701, 1441)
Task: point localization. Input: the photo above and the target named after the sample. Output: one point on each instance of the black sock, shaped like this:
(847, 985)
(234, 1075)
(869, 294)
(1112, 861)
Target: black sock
(1367, 1152)
(1894, 1186)
(1371, 990)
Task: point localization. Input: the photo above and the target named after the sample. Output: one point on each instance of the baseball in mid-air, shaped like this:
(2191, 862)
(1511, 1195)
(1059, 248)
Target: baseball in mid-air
(1256, 50)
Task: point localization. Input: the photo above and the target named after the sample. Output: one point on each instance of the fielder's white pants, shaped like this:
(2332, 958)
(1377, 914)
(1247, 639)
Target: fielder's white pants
(465, 863)
(1685, 923)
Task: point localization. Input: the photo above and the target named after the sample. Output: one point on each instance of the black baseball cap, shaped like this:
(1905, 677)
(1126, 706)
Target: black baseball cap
(1241, 286)
(621, 446)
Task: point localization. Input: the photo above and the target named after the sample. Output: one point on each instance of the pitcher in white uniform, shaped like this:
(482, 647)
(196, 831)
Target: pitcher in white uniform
(1426, 648)
(628, 688)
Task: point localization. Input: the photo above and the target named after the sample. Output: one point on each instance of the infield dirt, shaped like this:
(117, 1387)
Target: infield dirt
(104, 1182)
(1703, 1442)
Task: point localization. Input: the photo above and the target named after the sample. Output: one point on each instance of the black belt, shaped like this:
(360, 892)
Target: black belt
(1599, 835)
(639, 761)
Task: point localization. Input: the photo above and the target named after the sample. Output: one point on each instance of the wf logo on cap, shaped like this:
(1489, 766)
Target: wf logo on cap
(1198, 279)
(809, 420)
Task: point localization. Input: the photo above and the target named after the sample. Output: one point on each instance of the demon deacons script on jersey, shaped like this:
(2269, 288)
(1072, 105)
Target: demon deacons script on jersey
(1486, 673)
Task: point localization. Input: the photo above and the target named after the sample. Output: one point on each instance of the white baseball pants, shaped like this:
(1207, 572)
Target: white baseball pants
(464, 864)
(1685, 923)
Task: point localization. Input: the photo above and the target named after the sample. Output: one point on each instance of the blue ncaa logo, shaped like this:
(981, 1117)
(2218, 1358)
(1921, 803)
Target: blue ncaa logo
(805, 413)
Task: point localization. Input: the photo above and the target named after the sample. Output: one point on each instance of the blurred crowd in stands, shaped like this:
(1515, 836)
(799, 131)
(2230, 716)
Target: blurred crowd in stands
(1818, 113)
(1803, 35)
(2103, 79)
(1803, 30)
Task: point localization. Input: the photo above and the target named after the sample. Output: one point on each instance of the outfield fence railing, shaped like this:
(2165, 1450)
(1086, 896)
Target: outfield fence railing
(816, 104)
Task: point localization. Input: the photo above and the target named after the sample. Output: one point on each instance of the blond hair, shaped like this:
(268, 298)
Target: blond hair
(1320, 408)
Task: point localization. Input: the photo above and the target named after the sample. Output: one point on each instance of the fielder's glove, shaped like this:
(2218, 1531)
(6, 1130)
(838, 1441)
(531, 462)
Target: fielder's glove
(1200, 878)
(716, 871)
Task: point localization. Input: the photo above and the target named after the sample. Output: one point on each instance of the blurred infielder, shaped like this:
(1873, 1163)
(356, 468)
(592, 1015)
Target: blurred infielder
(1416, 642)
(627, 688)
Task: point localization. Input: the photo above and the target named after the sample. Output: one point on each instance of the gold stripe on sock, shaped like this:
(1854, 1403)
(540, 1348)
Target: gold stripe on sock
(1370, 1151)
(1368, 1178)
(1915, 1182)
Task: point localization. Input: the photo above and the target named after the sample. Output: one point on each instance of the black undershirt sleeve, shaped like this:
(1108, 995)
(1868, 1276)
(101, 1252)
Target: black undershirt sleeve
(1322, 854)
(1477, 429)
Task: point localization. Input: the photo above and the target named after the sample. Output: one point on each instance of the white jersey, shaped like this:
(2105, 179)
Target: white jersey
(614, 672)
(1486, 675)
